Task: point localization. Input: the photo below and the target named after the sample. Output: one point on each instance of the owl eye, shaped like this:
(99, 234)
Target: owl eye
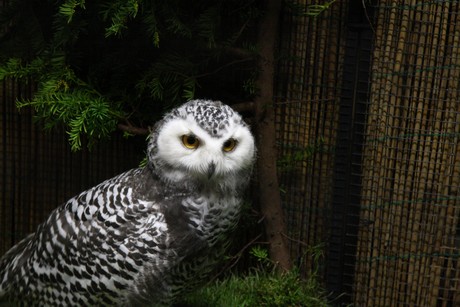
(190, 141)
(229, 145)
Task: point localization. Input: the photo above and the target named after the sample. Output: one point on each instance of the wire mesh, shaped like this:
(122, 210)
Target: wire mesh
(400, 231)
(307, 102)
(408, 252)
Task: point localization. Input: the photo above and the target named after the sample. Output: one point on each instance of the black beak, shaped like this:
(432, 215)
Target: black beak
(211, 169)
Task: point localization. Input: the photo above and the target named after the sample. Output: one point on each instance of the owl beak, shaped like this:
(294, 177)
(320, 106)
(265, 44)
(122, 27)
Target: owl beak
(211, 169)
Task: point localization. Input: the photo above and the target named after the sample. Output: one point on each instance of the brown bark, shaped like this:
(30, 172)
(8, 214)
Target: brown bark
(133, 129)
(269, 194)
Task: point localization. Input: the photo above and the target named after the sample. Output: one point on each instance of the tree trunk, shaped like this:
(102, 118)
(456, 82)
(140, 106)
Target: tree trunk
(269, 194)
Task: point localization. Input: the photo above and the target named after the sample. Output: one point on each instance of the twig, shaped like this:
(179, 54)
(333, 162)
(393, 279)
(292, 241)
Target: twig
(294, 240)
(367, 16)
(224, 66)
(133, 129)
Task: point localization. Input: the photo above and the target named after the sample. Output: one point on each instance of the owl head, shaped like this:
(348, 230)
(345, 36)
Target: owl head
(202, 142)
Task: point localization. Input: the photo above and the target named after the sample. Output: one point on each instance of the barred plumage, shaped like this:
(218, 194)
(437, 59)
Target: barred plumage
(147, 235)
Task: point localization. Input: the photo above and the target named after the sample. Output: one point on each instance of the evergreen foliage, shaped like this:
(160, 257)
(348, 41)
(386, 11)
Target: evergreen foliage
(101, 63)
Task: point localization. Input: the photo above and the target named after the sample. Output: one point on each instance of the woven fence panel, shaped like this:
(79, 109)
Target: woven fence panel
(409, 239)
(306, 108)
(38, 172)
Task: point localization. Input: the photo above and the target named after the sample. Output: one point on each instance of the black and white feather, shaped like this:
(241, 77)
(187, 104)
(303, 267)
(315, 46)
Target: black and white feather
(147, 235)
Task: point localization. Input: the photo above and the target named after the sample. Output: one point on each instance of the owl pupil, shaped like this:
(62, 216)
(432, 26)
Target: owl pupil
(191, 139)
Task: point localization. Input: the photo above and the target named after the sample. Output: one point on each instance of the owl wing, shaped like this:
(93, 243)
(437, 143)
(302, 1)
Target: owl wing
(94, 243)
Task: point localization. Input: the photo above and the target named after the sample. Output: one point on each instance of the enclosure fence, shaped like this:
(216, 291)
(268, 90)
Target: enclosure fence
(410, 246)
(368, 119)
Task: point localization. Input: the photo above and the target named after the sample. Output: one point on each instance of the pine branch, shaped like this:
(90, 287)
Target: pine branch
(80, 110)
(119, 12)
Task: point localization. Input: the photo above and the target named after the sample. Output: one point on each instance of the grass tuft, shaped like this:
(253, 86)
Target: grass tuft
(260, 288)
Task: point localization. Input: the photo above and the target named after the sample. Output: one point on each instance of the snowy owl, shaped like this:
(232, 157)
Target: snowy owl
(143, 237)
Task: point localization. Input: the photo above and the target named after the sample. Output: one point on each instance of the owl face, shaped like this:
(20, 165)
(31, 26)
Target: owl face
(204, 141)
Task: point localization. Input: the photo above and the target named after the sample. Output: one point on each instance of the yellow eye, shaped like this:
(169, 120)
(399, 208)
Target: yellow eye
(229, 145)
(190, 141)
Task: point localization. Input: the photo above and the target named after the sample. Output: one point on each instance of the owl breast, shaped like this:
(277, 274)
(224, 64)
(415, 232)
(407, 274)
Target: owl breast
(199, 226)
(212, 218)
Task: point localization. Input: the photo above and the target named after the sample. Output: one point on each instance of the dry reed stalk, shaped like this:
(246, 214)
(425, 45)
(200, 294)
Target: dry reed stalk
(454, 211)
(439, 82)
(293, 121)
(446, 228)
(419, 83)
(386, 266)
(393, 220)
(408, 275)
(317, 129)
(374, 156)
(393, 215)
(406, 165)
(296, 108)
(454, 120)
(418, 248)
(424, 170)
(365, 275)
(438, 208)
(447, 231)
(439, 224)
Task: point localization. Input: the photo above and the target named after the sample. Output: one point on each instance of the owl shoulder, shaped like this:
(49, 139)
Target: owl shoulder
(111, 211)
(123, 192)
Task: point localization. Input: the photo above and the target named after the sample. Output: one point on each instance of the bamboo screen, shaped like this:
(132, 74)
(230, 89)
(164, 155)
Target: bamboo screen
(38, 172)
(306, 107)
(409, 244)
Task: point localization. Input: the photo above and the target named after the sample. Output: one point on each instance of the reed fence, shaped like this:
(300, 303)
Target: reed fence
(389, 214)
(410, 194)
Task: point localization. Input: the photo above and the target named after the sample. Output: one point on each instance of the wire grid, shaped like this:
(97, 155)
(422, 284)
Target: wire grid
(38, 172)
(409, 239)
(306, 117)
